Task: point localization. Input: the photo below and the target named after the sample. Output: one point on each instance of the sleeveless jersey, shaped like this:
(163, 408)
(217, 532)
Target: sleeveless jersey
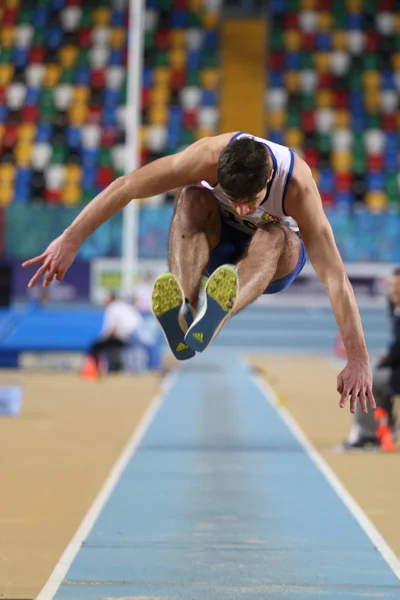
(272, 208)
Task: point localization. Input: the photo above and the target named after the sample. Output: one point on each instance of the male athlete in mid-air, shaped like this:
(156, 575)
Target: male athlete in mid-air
(247, 213)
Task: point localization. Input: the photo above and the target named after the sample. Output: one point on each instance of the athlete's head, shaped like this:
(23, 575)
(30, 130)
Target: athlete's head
(244, 169)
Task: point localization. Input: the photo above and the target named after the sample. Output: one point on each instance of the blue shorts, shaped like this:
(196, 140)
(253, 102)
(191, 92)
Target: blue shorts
(233, 245)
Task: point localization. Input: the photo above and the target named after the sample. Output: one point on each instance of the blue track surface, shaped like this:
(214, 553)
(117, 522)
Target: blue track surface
(220, 502)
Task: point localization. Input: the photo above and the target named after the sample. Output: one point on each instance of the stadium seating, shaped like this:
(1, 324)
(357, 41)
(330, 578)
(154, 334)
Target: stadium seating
(63, 91)
(333, 94)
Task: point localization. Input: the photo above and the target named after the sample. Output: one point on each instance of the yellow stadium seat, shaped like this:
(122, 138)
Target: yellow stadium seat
(73, 175)
(203, 132)
(276, 119)
(7, 174)
(117, 38)
(376, 201)
(67, 56)
(6, 194)
(372, 100)
(209, 78)
(339, 40)
(211, 20)
(1, 13)
(160, 95)
(101, 17)
(71, 195)
(371, 79)
(158, 114)
(342, 162)
(396, 61)
(177, 58)
(143, 135)
(1, 132)
(81, 94)
(324, 21)
(342, 119)
(308, 4)
(6, 74)
(7, 36)
(12, 3)
(196, 5)
(397, 23)
(324, 98)
(78, 114)
(161, 76)
(355, 6)
(292, 40)
(26, 132)
(23, 154)
(292, 81)
(51, 76)
(322, 62)
(178, 38)
(294, 138)
(315, 174)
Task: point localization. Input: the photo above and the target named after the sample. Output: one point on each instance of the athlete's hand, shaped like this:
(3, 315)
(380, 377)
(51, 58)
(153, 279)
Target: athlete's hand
(355, 383)
(55, 261)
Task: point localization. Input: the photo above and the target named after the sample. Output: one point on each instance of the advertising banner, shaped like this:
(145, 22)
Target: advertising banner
(75, 287)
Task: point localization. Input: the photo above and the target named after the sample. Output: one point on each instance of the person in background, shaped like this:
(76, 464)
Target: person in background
(122, 322)
(376, 428)
(142, 294)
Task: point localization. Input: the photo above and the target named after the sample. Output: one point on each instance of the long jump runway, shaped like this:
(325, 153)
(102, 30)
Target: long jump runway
(221, 500)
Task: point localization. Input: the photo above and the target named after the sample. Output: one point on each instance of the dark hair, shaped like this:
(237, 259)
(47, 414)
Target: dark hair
(243, 168)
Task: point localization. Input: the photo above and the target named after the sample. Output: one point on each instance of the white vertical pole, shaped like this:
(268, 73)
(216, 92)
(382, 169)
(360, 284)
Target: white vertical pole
(130, 239)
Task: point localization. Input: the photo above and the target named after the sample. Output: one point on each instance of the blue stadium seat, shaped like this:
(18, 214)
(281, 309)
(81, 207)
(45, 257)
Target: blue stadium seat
(20, 57)
(209, 98)
(40, 16)
(32, 96)
(3, 113)
(82, 75)
(73, 136)
(117, 18)
(44, 132)
(180, 19)
(55, 37)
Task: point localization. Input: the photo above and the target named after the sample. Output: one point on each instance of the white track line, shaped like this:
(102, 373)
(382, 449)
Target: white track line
(355, 509)
(61, 569)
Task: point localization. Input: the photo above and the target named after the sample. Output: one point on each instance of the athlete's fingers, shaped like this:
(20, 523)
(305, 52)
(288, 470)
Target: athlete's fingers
(353, 400)
(49, 277)
(39, 273)
(34, 261)
(363, 401)
(344, 398)
(371, 398)
(339, 386)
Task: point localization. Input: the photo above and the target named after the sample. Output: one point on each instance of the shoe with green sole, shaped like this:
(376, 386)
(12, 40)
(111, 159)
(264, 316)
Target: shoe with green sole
(220, 295)
(173, 313)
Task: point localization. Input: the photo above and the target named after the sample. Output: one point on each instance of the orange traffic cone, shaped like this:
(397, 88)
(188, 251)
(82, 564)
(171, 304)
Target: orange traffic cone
(340, 350)
(89, 370)
(383, 430)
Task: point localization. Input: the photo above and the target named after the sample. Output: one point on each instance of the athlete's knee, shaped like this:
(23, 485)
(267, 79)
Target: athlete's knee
(272, 235)
(197, 209)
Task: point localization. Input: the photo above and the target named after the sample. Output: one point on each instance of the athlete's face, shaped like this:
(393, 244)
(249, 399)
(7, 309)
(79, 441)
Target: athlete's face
(245, 207)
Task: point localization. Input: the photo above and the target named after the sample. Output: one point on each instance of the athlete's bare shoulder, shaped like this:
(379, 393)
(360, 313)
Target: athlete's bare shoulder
(202, 156)
(301, 176)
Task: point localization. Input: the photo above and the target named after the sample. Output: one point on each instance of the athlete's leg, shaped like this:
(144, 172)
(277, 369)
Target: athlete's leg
(195, 230)
(272, 254)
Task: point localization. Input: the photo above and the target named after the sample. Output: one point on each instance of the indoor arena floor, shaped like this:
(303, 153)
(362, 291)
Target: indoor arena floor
(214, 485)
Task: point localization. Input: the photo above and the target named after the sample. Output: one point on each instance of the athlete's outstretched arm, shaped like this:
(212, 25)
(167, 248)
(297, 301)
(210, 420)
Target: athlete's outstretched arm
(305, 206)
(168, 173)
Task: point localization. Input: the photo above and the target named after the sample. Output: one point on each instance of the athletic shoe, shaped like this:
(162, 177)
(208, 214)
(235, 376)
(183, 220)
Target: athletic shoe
(219, 299)
(173, 313)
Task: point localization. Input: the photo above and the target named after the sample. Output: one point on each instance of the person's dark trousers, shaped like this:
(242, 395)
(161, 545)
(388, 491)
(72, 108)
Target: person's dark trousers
(111, 347)
(382, 390)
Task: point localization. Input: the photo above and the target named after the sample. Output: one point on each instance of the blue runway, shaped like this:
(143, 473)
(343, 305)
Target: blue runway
(221, 502)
